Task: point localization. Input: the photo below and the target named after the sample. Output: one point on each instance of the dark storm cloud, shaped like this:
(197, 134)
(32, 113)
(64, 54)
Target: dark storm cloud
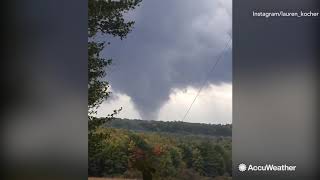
(173, 45)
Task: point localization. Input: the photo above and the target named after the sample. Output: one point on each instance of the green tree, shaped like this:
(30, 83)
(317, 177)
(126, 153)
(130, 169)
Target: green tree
(141, 157)
(187, 153)
(168, 163)
(105, 17)
(111, 157)
(214, 164)
(197, 161)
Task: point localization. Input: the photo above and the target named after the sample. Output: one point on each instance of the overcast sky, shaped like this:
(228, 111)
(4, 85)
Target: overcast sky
(158, 69)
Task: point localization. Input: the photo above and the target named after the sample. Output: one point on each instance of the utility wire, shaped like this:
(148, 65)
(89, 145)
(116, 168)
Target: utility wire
(207, 77)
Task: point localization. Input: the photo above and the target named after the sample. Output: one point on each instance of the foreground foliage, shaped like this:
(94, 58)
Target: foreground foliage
(159, 156)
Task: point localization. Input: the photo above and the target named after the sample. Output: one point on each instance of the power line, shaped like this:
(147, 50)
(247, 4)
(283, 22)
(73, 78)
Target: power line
(207, 77)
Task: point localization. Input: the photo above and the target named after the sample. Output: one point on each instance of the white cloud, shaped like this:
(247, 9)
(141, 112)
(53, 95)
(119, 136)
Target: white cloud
(121, 100)
(214, 105)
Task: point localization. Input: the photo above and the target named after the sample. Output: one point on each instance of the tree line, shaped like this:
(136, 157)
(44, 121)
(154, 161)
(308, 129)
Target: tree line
(177, 127)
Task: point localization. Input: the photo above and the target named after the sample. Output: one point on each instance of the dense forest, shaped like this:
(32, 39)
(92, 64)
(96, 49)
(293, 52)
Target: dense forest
(159, 150)
(176, 127)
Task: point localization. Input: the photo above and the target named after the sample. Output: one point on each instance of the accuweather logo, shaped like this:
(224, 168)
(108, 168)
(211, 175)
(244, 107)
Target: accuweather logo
(268, 167)
(242, 167)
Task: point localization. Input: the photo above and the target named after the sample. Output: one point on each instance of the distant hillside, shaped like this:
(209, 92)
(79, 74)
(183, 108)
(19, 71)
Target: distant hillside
(176, 127)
